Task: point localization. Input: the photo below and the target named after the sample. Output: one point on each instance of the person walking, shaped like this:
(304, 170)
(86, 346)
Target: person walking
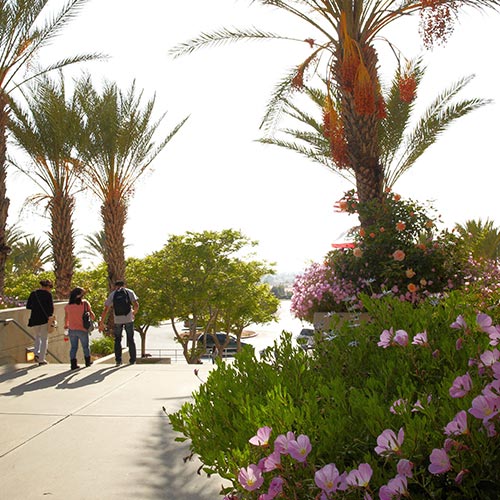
(73, 322)
(125, 304)
(41, 304)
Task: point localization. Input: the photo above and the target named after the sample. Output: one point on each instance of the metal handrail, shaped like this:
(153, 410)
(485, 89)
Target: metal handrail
(21, 327)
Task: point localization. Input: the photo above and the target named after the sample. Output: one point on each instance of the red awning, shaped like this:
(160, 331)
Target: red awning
(343, 245)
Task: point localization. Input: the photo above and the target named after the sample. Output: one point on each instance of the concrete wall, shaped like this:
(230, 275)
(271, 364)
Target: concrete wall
(14, 338)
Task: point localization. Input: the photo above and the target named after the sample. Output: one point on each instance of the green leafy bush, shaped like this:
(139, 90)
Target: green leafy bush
(102, 346)
(392, 375)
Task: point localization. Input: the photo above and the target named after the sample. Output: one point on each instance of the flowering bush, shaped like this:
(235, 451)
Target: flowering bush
(406, 406)
(318, 289)
(398, 250)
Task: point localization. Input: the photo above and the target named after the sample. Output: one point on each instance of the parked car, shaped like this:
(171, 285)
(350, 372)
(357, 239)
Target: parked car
(306, 337)
(221, 337)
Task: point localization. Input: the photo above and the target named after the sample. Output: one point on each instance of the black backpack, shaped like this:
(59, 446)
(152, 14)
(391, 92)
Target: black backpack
(121, 302)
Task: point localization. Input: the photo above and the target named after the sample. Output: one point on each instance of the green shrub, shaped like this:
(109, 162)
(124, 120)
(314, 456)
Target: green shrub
(102, 346)
(345, 394)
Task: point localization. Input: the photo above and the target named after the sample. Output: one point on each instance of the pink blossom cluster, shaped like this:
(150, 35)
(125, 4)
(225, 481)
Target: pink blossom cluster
(319, 290)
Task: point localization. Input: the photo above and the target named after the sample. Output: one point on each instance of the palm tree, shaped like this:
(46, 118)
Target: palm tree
(13, 236)
(400, 146)
(482, 238)
(22, 35)
(48, 131)
(118, 148)
(30, 256)
(95, 246)
(346, 58)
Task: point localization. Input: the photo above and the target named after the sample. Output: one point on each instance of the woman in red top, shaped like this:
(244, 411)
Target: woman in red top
(73, 322)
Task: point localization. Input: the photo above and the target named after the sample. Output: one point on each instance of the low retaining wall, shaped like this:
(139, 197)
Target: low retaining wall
(16, 337)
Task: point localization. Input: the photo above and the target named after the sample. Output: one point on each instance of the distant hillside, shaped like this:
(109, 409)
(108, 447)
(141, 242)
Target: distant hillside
(281, 284)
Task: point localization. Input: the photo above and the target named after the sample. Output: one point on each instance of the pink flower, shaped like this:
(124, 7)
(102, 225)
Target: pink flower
(459, 343)
(461, 386)
(460, 476)
(250, 478)
(395, 488)
(405, 468)
(271, 462)
(275, 489)
(458, 425)
(440, 462)
(496, 370)
(484, 322)
(459, 323)
(282, 442)
(488, 358)
(386, 338)
(420, 339)
(495, 336)
(388, 443)
(328, 478)
(399, 406)
(300, 448)
(484, 407)
(262, 437)
(360, 476)
(399, 255)
(401, 338)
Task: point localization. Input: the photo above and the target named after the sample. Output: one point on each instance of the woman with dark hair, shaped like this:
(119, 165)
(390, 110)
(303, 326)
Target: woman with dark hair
(73, 322)
(41, 305)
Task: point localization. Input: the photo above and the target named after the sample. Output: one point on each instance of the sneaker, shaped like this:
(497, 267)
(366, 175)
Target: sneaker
(36, 358)
(40, 363)
(118, 363)
(132, 363)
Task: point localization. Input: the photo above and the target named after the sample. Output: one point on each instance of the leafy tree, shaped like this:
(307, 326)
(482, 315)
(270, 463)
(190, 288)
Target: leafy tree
(152, 310)
(117, 149)
(205, 281)
(401, 142)
(481, 238)
(22, 36)
(344, 55)
(48, 132)
(13, 235)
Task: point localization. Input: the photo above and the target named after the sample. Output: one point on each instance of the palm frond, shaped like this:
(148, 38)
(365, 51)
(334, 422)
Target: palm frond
(223, 36)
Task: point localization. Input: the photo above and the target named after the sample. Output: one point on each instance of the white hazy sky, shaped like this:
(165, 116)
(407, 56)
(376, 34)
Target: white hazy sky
(213, 175)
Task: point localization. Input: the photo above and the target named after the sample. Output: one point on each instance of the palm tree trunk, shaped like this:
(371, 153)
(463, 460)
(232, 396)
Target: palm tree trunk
(63, 242)
(114, 216)
(4, 201)
(361, 126)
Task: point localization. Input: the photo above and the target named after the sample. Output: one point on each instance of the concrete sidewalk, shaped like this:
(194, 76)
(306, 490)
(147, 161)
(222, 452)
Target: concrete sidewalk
(97, 433)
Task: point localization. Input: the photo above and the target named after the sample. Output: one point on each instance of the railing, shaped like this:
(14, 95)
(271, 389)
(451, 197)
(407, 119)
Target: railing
(177, 355)
(6, 321)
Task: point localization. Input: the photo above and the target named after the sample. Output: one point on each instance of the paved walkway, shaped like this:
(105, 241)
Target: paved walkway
(97, 433)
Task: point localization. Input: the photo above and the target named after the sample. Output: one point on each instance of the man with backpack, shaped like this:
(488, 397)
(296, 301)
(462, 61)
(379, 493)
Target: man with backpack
(125, 305)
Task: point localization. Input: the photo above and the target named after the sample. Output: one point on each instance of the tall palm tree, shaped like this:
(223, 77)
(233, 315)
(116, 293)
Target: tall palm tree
(118, 148)
(48, 131)
(482, 238)
(401, 142)
(345, 56)
(23, 33)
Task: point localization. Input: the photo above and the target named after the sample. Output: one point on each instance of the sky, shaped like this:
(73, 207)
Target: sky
(213, 175)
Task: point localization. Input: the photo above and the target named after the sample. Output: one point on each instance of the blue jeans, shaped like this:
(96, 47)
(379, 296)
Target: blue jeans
(74, 336)
(129, 330)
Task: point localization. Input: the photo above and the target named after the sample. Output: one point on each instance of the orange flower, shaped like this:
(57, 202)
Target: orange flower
(382, 229)
(399, 255)
(429, 224)
(397, 197)
(423, 282)
(412, 288)
(340, 206)
(372, 235)
(362, 233)
(400, 226)
(410, 273)
(357, 252)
